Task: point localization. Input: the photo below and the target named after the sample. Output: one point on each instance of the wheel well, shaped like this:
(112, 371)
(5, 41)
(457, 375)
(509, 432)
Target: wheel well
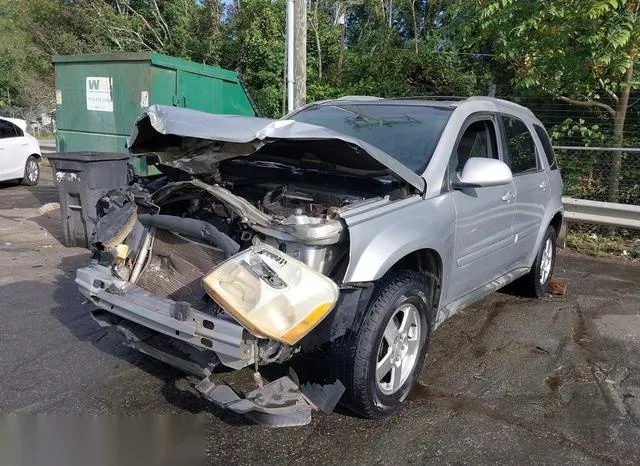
(37, 156)
(556, 222)
(425, 261)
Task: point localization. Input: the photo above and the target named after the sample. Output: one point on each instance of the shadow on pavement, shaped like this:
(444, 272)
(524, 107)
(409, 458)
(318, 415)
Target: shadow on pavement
(14, 195)
(52, 223)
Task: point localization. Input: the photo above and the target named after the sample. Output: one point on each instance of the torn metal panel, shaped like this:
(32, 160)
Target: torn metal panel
(224, 337)
(173, 352)
(323, 397)
(113, 228)
(277, 404)
(193, 141)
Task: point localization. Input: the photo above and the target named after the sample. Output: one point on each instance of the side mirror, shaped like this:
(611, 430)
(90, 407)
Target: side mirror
(481, 172)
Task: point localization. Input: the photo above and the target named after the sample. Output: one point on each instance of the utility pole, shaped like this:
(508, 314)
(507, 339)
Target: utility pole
(296, 54)
(290, 55)
(341, 22)
(300, 53)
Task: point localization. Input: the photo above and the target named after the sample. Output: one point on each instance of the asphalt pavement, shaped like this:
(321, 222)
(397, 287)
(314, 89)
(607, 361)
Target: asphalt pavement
(509, 380)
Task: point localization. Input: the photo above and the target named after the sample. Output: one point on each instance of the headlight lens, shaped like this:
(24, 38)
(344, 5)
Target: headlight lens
(272, 294)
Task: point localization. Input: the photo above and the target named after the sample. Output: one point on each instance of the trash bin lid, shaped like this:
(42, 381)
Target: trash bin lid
(88, 156)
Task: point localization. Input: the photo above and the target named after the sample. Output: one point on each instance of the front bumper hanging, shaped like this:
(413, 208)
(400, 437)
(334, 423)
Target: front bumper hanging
(281, 403)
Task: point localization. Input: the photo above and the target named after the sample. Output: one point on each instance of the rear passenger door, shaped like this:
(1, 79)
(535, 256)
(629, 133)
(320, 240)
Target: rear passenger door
(531, 186)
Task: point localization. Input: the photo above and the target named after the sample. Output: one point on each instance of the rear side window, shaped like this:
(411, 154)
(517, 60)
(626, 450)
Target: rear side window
(546, 145)
(7, 130)
(520, 146)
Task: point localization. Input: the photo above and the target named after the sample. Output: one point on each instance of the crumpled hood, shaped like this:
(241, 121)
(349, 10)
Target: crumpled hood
(191, 140)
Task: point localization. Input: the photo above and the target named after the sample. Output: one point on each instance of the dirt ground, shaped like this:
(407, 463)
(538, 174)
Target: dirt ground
(509, 380)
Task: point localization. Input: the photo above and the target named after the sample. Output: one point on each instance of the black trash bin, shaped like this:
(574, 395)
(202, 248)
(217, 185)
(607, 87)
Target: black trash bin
(82, 179)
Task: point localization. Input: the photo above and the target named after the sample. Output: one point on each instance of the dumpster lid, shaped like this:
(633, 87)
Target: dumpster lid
(157, 59)
(190, 140)
(89, 156)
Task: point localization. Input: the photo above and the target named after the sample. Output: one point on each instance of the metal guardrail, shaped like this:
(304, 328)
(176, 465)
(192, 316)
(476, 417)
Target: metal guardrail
(601, 213)
(598, 212)
(47, 146)
(599, 149)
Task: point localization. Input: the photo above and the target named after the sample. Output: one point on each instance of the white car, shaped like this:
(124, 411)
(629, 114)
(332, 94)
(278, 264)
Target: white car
(19, 152)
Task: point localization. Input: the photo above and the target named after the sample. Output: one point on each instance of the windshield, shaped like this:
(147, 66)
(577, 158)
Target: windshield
(408, 133)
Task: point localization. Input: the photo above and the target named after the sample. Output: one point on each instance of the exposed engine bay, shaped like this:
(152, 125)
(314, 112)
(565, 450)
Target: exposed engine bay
(167, 235)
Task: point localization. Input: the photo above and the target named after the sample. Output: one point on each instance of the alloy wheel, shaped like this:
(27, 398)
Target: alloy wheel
(546, 261)
(398, 350)
(32, 170)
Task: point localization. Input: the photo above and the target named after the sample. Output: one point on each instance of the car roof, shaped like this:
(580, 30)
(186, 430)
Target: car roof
(494, 103)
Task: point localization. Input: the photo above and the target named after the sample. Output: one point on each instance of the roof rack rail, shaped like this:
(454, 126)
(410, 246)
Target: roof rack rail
(430, 97)
(359, 97)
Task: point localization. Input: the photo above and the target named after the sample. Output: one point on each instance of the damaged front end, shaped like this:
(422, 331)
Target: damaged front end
(234, 257)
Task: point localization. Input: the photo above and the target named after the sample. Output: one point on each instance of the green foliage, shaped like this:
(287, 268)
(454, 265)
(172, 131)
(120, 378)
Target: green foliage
(384, 65)
(596, 245)
(391, 47)
(582, 51)
(575, 47)
(254, 44)
(581, 174)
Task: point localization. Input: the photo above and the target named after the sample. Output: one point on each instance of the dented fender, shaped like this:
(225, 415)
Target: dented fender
(409, 225)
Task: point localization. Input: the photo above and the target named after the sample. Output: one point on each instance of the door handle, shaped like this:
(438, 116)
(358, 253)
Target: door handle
(508, 196)
(543, 185)
(24, 144)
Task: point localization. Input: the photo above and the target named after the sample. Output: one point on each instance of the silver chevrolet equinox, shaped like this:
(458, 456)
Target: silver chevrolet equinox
(337, 238)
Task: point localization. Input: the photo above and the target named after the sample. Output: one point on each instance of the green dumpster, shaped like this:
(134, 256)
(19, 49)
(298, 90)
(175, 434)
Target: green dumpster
(99, 96)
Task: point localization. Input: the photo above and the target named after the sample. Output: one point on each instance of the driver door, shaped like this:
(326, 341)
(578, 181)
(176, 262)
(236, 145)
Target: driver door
(484, 236)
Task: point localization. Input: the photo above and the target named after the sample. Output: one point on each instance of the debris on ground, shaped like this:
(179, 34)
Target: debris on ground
(557, 286)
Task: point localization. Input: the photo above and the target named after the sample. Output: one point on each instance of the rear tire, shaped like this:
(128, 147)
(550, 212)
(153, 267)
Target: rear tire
(31, 172)
(536, 281)
(383, 359)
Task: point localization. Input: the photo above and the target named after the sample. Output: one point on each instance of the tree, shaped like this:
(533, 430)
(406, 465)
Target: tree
(26, 87)
(254, 44)
(580, 51)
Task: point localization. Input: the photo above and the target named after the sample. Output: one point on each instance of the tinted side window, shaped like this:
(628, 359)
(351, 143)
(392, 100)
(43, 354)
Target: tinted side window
(7, 130)
(478, 140)
(546, 145)
(520, 146)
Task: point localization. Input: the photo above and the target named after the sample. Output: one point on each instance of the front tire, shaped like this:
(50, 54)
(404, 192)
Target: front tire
(31, 172)
(384, 358)
(536, 281)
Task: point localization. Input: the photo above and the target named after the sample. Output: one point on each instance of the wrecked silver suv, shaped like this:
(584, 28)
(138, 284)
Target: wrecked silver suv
(349, 229)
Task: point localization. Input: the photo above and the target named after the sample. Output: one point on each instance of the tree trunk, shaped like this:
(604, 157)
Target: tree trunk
(618, 135)
(316, 26)
(300, 53)
(341, 56)
(415, 24)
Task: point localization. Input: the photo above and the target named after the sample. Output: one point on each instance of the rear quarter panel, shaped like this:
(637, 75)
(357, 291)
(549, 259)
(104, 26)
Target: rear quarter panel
(19, 157)
(552, 208)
